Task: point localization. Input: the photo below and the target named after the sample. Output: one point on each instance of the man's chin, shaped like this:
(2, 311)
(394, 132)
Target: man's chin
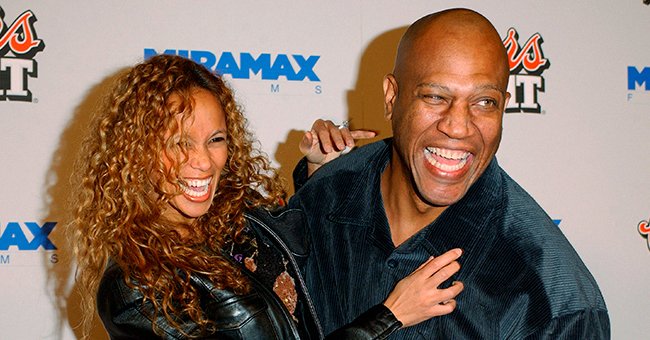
(437, 198)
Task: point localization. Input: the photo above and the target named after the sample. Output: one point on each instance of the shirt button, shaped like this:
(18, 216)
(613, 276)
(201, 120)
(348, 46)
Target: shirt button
(392, 263)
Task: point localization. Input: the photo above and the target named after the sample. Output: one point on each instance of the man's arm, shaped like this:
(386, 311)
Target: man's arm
(590, 324)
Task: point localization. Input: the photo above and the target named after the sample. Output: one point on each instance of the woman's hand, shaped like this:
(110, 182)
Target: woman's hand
(417, 298)
(326, 141)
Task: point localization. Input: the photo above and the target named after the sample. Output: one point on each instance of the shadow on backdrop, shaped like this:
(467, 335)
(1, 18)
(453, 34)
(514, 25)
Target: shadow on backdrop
(365, 101)
(60, 273)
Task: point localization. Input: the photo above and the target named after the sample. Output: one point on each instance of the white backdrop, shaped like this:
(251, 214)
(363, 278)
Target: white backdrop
(583, 155)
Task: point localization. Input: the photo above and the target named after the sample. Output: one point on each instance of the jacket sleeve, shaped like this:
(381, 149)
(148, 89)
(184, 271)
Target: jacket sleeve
(300, 174)
(589, 324)
(377, 322)
(130, 324)
(123, 312)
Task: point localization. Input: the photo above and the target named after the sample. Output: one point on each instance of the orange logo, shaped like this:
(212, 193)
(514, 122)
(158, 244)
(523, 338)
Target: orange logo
(18, 46)
(644, 229)
(527, 63)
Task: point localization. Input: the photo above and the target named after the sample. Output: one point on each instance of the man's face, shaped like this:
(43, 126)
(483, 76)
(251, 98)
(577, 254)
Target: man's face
(446, 105)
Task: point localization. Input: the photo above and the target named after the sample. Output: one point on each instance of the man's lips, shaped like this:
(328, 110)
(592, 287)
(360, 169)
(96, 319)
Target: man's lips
(446, 160)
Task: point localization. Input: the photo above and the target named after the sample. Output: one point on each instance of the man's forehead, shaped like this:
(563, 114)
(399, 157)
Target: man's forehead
(451, 88)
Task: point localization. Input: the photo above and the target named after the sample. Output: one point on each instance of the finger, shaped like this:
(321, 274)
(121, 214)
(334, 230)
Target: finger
(444, 273)
(424, 263)
(450, 292)
(363, 134)
(323, 132)
(306, 143)
(318, 124)
(434, 295)
(440, 261)
(444, 308)
(347, 137)
(330, 138)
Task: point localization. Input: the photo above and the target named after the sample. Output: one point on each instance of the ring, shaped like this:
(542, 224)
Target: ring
(344, 125)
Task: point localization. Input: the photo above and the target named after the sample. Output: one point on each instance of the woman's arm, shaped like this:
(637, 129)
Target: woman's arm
(414, 299)
(327, 141)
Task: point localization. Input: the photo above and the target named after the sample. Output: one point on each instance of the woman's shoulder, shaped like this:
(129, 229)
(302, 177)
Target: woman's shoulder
(113, 289)
(286, 223)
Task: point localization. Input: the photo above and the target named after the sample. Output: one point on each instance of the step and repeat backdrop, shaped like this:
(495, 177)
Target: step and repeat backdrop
(575, 133)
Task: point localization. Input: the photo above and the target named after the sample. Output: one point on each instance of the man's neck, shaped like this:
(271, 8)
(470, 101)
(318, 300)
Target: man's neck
(407, 214)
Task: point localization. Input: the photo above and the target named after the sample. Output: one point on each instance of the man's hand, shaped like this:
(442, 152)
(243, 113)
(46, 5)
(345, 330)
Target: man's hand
(417, 298)
(326, 141)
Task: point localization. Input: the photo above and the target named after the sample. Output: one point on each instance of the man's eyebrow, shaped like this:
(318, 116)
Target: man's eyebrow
(491, 87)
(434, 85)
(480, 87)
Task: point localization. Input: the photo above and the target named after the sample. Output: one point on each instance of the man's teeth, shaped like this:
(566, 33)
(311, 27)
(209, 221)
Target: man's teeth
(456, 159)
(196, 187)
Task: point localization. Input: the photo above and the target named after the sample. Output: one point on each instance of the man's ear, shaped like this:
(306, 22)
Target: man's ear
(390, 95)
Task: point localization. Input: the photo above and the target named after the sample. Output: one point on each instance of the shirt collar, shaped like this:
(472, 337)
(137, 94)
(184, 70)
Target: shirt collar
(465, 224)
(360, 203)
(365, 191)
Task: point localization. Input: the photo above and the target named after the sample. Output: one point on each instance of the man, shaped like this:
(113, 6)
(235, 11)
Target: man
(377, 213)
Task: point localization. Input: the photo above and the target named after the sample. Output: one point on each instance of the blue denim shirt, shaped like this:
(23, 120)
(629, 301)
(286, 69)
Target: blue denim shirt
(522, 277)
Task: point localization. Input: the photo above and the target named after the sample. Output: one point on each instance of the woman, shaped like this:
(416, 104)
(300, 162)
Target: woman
(175, 234)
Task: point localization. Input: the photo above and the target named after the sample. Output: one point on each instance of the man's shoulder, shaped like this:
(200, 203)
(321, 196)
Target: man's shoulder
(356, 161)
(345, 172)
(540, 249)
(518, 205)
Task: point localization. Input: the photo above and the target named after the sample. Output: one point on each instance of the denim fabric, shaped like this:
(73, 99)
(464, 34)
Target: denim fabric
(522, 277)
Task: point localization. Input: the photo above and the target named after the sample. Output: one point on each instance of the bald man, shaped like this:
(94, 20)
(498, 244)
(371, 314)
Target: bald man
(375, 214)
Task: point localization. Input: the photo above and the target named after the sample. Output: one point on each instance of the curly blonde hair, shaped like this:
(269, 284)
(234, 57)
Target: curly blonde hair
(120, 195)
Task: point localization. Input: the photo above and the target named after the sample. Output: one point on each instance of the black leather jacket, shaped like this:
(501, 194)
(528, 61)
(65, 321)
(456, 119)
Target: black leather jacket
(257, 315)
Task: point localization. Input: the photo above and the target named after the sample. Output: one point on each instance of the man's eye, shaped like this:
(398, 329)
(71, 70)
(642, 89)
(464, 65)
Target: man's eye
(429, 97)
(487, 103)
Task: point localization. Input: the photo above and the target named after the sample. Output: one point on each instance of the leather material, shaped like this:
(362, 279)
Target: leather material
(257, 315)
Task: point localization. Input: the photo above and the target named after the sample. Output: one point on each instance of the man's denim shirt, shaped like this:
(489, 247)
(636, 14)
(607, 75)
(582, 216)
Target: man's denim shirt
(522, 277)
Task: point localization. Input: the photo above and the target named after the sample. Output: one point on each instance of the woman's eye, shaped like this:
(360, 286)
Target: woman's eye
(217, 139)
(182, 143)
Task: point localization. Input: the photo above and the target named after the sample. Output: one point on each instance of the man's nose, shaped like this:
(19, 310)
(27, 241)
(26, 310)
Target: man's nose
(456, 121)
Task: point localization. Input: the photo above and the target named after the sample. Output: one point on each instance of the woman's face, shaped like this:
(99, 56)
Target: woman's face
(205, 141)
